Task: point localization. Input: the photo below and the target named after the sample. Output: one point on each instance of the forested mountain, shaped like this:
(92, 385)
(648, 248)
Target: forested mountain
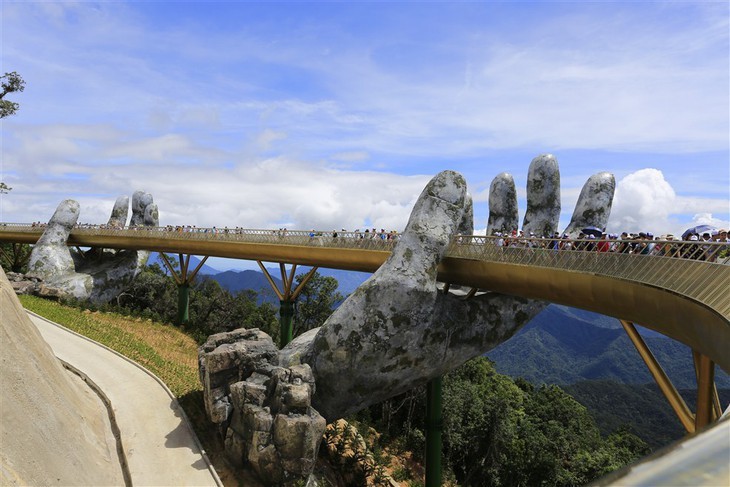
(236, 281)
(563, 346)
(640, 406)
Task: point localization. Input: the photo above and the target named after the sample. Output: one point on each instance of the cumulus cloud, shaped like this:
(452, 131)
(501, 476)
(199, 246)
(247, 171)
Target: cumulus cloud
(645, 201)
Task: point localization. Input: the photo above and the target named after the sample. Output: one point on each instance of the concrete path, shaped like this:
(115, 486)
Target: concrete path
(159, 445)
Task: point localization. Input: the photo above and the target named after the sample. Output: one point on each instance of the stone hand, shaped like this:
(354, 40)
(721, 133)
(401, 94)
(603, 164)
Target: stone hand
(97, 274)
(397, 331)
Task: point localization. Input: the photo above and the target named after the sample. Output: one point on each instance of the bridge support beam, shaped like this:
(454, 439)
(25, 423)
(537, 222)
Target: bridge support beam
(287, 298)
(183, 279)
(660, 377)
(434, 427)
(708, 403)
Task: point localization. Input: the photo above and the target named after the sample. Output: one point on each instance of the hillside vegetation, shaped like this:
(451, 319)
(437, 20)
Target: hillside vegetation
(563, 346)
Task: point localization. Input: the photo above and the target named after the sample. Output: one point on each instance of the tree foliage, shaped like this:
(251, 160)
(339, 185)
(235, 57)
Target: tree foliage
(318, 299)
(503, 432)
(14, 256)
(11, 82)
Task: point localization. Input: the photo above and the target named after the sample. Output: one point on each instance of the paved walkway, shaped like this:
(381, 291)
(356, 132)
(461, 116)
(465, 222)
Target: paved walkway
(160, 447)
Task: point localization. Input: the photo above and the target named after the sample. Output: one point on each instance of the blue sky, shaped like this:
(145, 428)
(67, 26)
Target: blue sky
(335, 114)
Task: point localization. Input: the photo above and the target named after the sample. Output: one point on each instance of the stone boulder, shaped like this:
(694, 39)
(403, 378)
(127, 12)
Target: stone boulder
(263, 410)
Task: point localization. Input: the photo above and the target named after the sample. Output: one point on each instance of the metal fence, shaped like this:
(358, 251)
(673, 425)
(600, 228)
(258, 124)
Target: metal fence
(697, 269)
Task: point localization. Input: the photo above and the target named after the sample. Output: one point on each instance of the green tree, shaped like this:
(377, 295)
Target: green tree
(498, 432)
(153, 294)
(4, 188)
(14, 256)
(11, 82)
(315, 304)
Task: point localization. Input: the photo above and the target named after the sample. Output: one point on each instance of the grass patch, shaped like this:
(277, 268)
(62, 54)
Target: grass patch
(162, 349)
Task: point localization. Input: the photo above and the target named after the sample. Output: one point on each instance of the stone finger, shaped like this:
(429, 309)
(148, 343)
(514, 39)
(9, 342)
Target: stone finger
(50, 255)
(435, 218)
(151, 216)
(503, 216)
(543, 197)
(140, 201)
(120, 212)
(466, 226)
(371, 334)
(594, 204)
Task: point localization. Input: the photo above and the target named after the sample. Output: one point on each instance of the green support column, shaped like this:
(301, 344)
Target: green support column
(434, 425)
(183, 301)
(286, 313)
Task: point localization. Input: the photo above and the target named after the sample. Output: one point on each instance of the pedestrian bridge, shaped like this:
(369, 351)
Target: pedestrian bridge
(684, 298)
(679, 289)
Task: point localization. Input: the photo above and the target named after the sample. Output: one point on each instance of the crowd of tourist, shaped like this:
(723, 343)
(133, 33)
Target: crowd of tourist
(644, 243)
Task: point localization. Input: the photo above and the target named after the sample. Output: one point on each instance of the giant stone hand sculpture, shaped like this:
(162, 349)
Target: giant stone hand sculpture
(97, 275)
(397, 330)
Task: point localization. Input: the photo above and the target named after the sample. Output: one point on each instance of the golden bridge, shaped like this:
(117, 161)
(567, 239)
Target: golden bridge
(679, 289)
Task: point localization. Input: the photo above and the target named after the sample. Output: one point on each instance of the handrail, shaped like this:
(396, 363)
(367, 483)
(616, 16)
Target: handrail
(678, 288)
(688, 268)
(706, 251)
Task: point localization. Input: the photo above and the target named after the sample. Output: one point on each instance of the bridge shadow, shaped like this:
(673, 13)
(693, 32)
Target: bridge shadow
(182, 436)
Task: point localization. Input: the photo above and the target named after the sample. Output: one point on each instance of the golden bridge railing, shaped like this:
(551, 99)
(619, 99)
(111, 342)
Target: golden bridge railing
(696, 269)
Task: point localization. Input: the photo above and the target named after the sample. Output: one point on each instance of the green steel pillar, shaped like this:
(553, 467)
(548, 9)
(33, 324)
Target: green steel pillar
(183, 300)
(434, 425)
(286, 313)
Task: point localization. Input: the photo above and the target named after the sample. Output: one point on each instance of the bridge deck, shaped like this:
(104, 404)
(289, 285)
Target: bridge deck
(686, 299)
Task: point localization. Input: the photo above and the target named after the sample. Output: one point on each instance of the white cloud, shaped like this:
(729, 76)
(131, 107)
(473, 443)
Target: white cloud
(645, 201)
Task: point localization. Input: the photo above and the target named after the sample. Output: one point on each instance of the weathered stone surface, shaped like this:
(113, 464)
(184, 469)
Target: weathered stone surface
(50, 256)
(543, 197)
(297, 396)
(235, 448)
(466, 226)
(297, 436)
(247, 394)
(256, 418)
(594, 204)
(140, 202)
(120, 212)
(503, 215)
(226, 360)
(268, 465)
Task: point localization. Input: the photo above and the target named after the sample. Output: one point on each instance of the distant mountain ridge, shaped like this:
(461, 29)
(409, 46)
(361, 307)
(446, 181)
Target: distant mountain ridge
(194, 261)
(563, 345)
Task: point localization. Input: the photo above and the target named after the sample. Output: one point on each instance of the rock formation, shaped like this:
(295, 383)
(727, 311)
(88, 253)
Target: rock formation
(543, 197)
(263, 410)
(97, 275)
